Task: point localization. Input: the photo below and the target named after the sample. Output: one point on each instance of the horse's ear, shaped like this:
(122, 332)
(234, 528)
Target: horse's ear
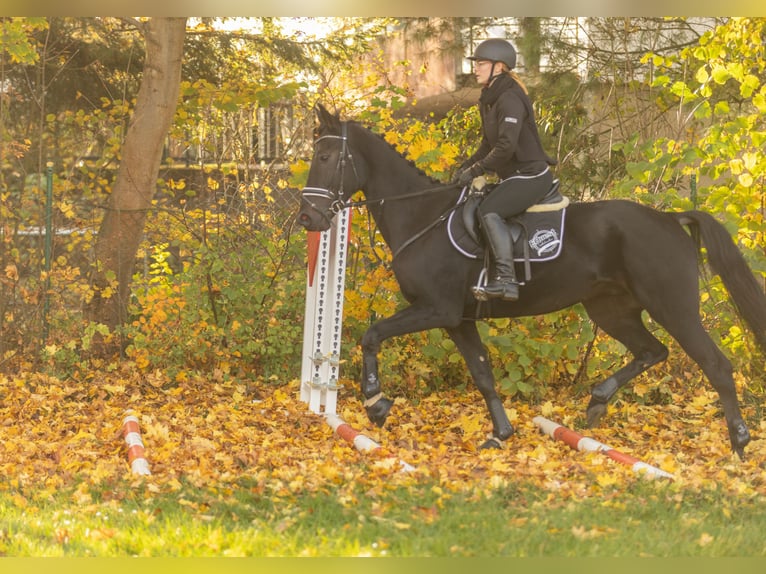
(326, 119)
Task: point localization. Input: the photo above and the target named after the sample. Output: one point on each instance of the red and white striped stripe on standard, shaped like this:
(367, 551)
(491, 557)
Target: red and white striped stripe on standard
(579, 442)
(361, 442)
(132, 435)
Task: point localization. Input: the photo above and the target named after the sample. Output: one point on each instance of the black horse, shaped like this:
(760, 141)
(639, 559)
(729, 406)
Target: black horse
(620, 258)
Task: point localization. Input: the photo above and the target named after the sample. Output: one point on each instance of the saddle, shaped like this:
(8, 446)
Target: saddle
(537, 234)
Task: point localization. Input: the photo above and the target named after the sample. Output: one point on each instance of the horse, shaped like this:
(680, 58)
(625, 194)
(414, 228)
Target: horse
(620, 258)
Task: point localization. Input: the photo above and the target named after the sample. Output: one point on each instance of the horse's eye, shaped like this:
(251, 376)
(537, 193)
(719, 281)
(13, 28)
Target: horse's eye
(324, 156)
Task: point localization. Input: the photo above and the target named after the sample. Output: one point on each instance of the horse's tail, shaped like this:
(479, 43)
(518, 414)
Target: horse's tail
(727, 261)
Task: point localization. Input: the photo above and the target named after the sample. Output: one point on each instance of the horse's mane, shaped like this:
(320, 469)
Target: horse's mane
(397, 152)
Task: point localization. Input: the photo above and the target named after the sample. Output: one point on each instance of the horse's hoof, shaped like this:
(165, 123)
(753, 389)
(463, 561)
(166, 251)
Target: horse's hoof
(740, 437)
(378, 413)
(492, 442)
(594, 413)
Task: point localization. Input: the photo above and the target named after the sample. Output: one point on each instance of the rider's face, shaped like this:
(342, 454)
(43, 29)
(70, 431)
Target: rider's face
(482, 69)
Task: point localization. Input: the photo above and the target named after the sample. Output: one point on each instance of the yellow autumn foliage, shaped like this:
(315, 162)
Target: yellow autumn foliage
(65, 432)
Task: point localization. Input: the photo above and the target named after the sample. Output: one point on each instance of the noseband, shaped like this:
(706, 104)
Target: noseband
(338, 200)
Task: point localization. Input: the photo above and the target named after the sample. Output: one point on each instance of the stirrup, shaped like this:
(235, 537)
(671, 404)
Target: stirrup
(479, 294)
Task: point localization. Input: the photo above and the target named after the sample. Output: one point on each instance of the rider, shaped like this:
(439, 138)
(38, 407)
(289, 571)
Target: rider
(511, 148)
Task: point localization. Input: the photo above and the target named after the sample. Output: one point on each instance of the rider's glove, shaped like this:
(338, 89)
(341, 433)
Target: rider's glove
(465, 176)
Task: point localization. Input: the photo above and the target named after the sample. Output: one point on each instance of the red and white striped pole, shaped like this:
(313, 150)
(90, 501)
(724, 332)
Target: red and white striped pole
(582, 443)
(132, 435)
(361, 442)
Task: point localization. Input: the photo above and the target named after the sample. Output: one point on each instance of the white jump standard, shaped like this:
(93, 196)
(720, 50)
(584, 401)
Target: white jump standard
(323, 319)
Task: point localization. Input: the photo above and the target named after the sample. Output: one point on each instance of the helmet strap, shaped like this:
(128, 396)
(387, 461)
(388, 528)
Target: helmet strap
(492, 74)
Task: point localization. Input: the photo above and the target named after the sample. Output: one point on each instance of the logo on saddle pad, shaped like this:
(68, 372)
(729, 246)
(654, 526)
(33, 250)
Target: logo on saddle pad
(545, 241)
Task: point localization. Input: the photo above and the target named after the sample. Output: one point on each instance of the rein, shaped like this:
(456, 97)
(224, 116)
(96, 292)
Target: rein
(443, 217)
(414, 194)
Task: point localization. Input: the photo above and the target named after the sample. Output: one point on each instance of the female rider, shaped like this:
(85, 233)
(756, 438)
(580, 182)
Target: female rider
(511, 148)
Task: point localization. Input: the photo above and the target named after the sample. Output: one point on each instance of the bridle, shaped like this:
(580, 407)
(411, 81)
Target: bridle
(338, 199)
(339, 202)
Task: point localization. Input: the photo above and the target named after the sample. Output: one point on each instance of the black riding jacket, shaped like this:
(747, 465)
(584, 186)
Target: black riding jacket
(510, 142)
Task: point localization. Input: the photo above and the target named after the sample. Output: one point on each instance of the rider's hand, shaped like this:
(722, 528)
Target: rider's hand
(464, 177)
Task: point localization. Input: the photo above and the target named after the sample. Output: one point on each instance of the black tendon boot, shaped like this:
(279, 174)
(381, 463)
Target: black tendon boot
(504, 285)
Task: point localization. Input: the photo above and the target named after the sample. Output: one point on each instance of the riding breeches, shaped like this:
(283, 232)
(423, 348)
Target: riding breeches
(515, 194)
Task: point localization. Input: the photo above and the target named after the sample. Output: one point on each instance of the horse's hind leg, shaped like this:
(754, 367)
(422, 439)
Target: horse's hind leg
(468, 342)
(620, 317)
(687, 329)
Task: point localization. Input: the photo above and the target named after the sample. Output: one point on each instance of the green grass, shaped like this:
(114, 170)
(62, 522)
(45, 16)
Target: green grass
(647, 518)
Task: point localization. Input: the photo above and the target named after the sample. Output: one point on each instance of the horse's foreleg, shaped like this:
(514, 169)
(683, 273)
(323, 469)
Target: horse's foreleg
(468, 341)
(409, 320)
(376, 405)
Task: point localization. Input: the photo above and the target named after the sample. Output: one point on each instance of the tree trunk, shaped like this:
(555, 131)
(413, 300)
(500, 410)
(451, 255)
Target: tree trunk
(123, 224)
(530, 44)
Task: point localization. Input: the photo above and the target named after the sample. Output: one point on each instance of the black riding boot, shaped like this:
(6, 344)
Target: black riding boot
(504, 284)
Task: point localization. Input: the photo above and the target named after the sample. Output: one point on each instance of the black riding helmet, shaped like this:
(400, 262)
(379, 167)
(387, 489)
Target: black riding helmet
(496, 50)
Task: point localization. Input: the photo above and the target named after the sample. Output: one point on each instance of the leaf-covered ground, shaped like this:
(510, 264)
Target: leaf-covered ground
(61, 433)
